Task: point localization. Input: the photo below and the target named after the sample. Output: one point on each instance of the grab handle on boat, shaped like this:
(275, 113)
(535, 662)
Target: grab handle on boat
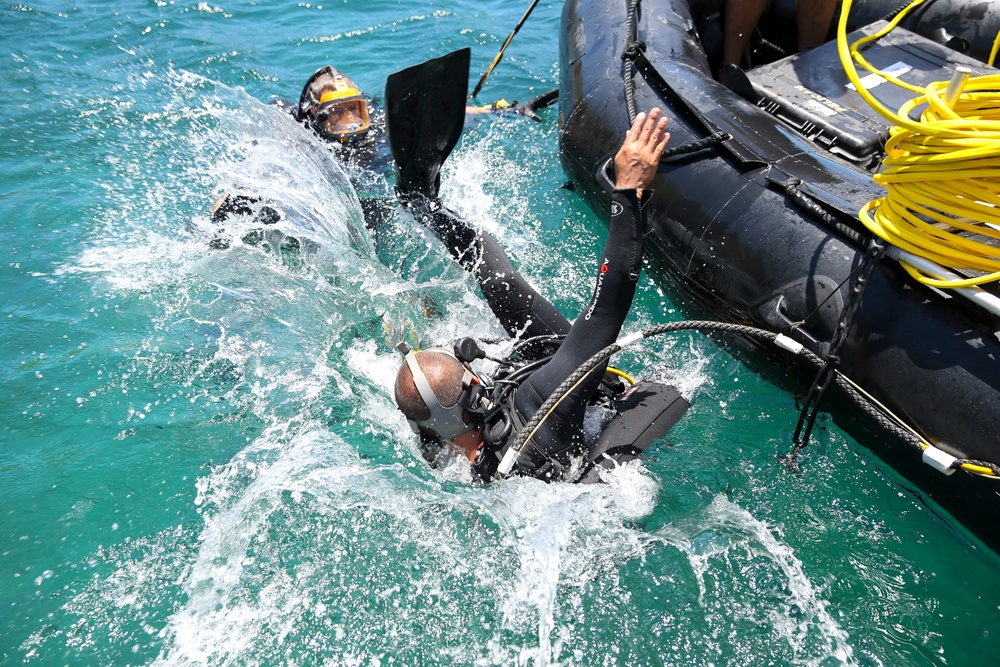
(772, 313)
(604, 175)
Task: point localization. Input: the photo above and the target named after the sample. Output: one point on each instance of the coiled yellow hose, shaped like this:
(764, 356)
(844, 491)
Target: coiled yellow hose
(941, 173)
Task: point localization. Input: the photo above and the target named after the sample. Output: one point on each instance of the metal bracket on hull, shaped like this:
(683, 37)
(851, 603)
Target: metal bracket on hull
(773, 314)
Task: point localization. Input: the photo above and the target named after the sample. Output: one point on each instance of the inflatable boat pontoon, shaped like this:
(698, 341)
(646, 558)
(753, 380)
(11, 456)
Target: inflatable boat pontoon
(755, 218)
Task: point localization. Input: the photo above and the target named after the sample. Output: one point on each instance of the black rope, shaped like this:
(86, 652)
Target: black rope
(632, 51)
(634, 57)
(895, 12)
(883, 420)
(523, 438)
(823, 379)
(808, 205)
(710, 141)
(836, 290)
(985, 464)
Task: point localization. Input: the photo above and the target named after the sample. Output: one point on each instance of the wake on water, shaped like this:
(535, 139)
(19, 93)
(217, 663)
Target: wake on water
(325, 539)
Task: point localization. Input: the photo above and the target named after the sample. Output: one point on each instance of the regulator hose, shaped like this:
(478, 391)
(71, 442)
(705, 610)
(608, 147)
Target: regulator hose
(882, 416)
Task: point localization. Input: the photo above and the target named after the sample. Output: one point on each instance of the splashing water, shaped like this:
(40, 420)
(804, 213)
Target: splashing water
(202, 461)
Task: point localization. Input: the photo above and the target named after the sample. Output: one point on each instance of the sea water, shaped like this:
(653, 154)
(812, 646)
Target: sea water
(201, 463)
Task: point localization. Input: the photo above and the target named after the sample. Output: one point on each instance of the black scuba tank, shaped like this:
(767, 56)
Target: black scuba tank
(642, 414)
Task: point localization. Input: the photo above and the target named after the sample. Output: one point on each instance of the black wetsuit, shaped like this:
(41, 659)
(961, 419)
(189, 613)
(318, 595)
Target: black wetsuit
(522, 311)
(594, 329)
(525, 312)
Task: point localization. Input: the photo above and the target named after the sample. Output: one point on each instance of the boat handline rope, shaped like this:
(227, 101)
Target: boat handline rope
(881, 415)
(635, 60)
(629, 55)
(810, 405)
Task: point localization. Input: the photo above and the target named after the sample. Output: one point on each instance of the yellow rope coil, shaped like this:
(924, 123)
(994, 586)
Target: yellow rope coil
(941, 173)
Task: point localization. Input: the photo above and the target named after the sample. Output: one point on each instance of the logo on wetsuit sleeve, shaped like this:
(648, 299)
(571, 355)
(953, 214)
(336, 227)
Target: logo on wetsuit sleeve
(616, 209)
(597, 290)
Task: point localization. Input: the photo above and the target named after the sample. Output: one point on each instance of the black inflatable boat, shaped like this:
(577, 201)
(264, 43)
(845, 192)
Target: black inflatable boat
(755, 219)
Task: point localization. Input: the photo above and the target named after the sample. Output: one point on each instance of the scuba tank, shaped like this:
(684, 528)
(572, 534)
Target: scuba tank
(636, 414)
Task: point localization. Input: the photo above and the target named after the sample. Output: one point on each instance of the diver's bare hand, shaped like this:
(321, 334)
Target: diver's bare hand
(639, 156)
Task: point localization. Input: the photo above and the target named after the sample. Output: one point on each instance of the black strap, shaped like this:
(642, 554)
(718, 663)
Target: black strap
(823, 379)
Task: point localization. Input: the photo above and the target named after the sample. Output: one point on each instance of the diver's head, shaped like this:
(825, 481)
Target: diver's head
(333, 106)
(441, 396)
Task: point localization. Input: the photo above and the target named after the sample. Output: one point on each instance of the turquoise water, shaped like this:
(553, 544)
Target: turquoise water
(201, 463)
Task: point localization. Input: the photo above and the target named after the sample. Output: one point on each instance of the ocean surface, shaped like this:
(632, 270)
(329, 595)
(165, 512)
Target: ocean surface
(200, 459)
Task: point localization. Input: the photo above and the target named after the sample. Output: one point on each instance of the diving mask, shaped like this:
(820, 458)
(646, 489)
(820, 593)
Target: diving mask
(335, 107)
(342, 115)
(447, 421)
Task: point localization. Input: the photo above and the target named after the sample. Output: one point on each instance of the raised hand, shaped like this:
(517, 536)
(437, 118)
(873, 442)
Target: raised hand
(639, 156)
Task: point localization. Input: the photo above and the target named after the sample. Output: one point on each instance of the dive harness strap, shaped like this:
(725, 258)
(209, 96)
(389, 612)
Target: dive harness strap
(551, 468)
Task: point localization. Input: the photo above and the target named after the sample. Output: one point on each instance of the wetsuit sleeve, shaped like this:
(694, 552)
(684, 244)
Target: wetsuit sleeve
(597, 327)
(520, 308)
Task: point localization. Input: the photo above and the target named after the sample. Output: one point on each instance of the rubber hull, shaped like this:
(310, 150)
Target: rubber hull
(732, 238)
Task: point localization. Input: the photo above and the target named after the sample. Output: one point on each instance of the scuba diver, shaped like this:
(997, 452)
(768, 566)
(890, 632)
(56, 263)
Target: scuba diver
(333, 107)
(446, 401)
(424, 115)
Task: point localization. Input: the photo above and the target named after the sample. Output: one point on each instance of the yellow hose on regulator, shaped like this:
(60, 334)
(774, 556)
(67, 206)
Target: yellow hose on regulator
(941, 173)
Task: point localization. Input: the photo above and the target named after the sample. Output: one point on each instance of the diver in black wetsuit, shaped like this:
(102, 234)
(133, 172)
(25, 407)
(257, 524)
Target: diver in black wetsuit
(333, 108)
(445, 400)
(337, 111)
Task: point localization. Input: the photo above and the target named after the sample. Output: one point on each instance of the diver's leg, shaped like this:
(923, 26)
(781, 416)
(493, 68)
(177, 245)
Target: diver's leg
(518, 305)
(520, 308)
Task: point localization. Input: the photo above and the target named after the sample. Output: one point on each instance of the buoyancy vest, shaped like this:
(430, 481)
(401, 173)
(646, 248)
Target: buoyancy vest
(640, 414)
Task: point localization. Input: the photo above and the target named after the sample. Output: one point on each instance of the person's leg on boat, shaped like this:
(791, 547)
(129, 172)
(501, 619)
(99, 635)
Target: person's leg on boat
(740, 20)
(813, 18)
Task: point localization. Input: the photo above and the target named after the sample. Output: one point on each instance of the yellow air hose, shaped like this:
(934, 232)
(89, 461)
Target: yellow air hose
(941, 173)
(622, 374)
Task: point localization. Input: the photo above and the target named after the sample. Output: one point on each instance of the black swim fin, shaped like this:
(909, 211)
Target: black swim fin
(425, 113)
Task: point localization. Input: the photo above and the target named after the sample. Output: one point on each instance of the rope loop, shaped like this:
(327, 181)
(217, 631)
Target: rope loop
(633, 51)
(695, 146)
